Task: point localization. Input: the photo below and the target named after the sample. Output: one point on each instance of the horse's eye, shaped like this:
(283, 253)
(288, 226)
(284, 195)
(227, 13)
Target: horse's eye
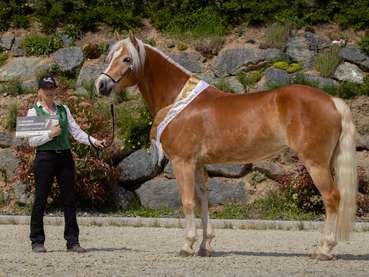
(127, 60)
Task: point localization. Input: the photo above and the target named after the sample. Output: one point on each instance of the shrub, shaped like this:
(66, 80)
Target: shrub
(293, 67)
(41, 45)
(281, 65)
(13, 88)
(364, 44)
(249, 79)
(224, 85)
(11, 116)
(20, 21)
(276, 35)
(327, 61)
(3, 57)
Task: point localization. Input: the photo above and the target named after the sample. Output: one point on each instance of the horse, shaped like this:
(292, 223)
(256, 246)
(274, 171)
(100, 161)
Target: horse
(219, 127)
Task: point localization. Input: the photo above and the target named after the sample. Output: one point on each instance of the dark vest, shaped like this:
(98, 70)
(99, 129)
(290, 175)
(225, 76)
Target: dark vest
(60, 142)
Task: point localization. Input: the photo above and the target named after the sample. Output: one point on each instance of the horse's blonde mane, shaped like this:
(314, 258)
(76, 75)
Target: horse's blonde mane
(138, 57)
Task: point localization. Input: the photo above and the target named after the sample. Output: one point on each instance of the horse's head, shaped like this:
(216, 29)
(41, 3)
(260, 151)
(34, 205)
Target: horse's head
(126, 60)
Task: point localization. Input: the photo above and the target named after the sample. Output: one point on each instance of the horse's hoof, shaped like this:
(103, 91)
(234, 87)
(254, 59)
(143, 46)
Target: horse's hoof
(204, 252)
(184, 253)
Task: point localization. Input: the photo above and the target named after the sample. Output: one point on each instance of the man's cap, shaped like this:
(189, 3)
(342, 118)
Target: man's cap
(47, 82)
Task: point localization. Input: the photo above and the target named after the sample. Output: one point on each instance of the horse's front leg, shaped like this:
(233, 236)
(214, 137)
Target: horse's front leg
(185, 175)
(202, 192)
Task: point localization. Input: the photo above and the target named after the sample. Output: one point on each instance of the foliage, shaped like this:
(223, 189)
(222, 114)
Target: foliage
(3, 57)
(281, 65)
(195, 17)
(223, 85)
(209, 47)
(300, 186)
(276, 35)
(135, 127)
(249, 79)
(120, 97)
(13, 88)
(327, 61)
(36, 45)
(181, 46)
(293, 67)
(364, 44)
(94, 175)
(11, 116)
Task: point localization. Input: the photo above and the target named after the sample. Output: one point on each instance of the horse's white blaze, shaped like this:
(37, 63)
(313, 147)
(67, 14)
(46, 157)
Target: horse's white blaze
(115, 54)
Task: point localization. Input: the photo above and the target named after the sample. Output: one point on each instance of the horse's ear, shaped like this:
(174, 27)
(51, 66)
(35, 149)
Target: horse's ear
(133, 39)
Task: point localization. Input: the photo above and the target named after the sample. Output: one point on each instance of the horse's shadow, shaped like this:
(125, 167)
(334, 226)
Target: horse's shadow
(104, 249)
(345, 257)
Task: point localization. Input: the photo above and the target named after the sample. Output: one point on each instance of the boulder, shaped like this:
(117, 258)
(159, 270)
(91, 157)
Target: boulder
(233, 60)
(163, 193)
(138, 167)
(90, 71)
(8, 162)
(273, 76)
(321, 81)
(122, 198)
(354, 55)
(68, 59)
(7, 40)
(21, 195)
(228, 170)
(189, 60)
(25, 70)
(235, 84)
(6, 139)
(349, 72)
(298, 50)
(270, 168)
(16, 50)
(316, 43)
(168, 171)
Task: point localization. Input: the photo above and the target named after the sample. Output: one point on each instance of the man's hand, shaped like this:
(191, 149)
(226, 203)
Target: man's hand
(100, 143)
(55, 131)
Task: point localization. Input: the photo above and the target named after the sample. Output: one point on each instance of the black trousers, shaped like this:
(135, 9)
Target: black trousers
(48, 165)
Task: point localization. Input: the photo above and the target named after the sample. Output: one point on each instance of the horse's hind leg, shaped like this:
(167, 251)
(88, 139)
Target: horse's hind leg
(202, 193)
(322, 177)
(185, 177)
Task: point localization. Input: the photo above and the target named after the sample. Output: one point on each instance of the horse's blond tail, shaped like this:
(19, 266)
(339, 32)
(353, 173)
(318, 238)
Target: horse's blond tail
(345, 171)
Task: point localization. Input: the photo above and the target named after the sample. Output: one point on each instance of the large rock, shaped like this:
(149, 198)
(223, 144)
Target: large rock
(21, 195)
(122, 198)
(6, 139)
(90, 71)
(316, 43)
(189, 60)
(270, 168)
(168, 171)
(349, 72)
(274, 76)
(68, 59)
(138, 167)
(7, 40)
(232, 60)
(25, 70)
(16, 50)
(228, 170)
(298, 50)
(354, 55)
(164, 193)
(235, 84)
(363, 168)
(8, 162)
(321, 81)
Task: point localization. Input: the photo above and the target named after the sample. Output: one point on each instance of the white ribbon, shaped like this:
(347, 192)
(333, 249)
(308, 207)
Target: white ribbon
(173, 112)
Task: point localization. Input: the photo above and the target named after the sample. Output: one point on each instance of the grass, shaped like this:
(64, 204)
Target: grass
(36, 45)
(224, 85)
(3, 57)
(327, 61)
(276, 206)
(13, 88)
(276, 35)
(11, 116)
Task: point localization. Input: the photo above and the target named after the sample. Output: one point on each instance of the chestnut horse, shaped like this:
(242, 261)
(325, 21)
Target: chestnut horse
(218, 127)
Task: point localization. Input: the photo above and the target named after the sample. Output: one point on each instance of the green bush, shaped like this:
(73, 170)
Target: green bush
(3, 57)
(276, 35)
(11, 116)
(293, 67)
(364, 44)
(249, 79)
(327, 61)
(13, 88)
(281, 65)
(224, 85)
(40, 45)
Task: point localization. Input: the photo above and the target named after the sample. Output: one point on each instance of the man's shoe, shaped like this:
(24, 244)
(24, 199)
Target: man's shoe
(76, 248)
(38, 248)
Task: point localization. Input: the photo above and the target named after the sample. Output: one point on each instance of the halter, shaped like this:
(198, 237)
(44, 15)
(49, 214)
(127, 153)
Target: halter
(130, 68)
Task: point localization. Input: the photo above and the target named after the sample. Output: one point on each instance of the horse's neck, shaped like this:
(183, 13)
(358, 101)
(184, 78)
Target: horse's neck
(162, 81)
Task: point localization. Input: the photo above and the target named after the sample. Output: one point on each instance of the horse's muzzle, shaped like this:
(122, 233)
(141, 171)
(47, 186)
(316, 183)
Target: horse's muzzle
(103, 86)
